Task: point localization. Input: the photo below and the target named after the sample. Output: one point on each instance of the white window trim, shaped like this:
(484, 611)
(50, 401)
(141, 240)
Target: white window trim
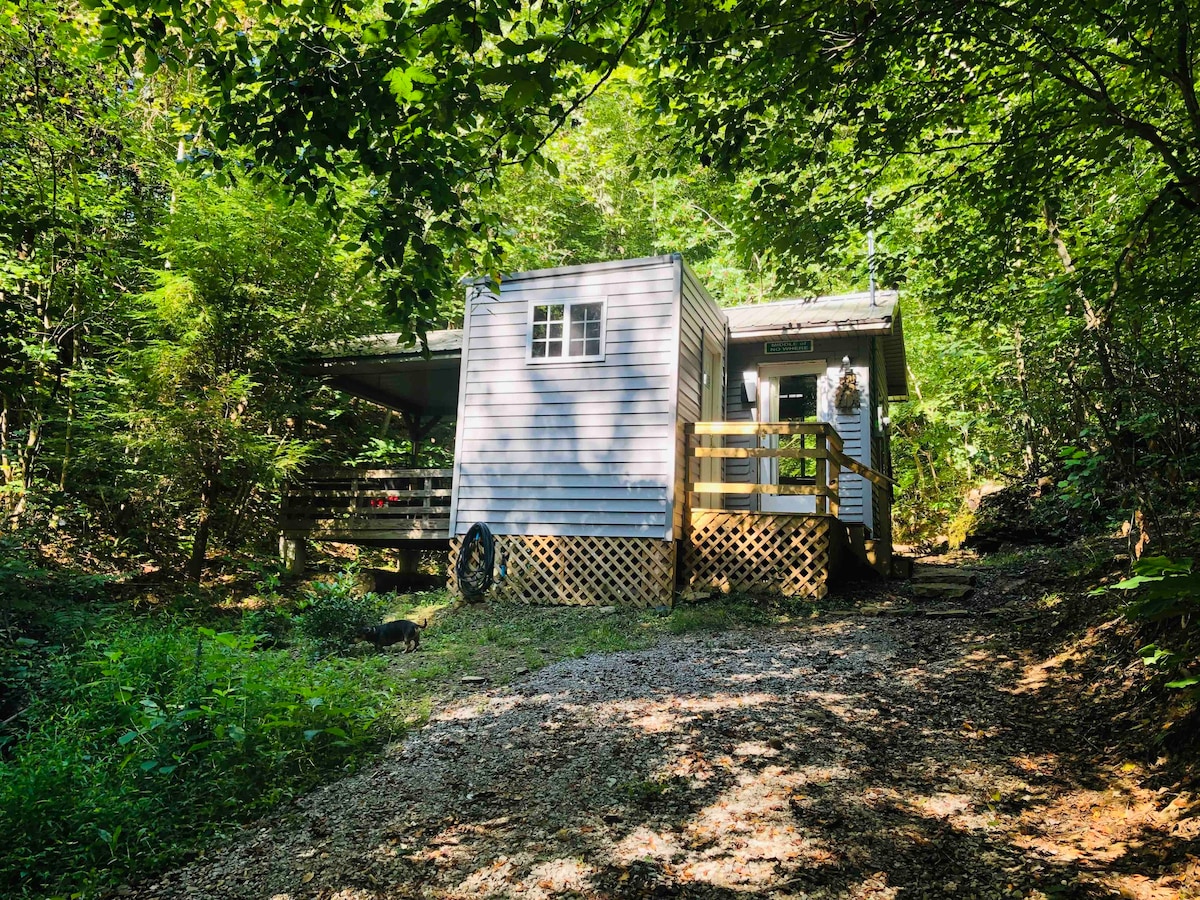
(563, 360)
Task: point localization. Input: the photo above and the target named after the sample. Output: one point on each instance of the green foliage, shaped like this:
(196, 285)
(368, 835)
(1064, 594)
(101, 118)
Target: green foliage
(250, 284)
(398, 452)
(599, 200)
(24, 586)
(1165, 590)
(428, 102)
(719, 615)
(150, 726)
(1161, 588)
(1035, 190)
(79, 196)
(332, 612)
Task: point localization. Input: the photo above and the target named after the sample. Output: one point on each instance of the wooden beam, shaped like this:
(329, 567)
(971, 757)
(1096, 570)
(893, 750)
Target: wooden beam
(727, 487)
(859, 469)
(328, 473)
(759, 452)
(759, 428)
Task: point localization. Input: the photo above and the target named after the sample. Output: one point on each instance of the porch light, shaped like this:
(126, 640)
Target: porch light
(750, 386)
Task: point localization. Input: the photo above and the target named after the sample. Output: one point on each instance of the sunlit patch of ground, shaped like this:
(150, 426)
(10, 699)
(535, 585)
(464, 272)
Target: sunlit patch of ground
(838, 763)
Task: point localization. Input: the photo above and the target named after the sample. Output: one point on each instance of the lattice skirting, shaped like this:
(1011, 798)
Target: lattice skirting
(789, 554)
(581, 571)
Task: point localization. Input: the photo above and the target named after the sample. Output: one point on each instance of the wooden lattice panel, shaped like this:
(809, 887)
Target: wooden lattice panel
(747, 551)
(581, 571)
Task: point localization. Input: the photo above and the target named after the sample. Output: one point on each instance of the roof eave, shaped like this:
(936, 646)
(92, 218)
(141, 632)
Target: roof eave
(871, 327)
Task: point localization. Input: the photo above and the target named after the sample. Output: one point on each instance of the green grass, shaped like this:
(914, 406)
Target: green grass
(147, 734)
(724, 613)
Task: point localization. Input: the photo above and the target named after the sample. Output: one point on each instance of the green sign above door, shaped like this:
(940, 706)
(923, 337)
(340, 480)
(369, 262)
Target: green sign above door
(771, 347)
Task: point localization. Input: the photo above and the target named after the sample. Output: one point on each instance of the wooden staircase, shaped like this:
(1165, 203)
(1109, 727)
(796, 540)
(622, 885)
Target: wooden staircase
(872, 555)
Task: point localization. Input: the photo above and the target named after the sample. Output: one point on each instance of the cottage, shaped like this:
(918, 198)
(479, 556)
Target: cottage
(621, 435)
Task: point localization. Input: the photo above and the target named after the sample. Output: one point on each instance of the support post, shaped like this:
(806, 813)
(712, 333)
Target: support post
(408, 561)
(822, 471)
(292, 554)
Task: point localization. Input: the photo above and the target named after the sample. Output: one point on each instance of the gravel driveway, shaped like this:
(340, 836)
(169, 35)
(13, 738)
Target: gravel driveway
(853, 757)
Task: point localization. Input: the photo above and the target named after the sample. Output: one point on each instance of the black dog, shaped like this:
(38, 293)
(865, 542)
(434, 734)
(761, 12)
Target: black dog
(393, 633)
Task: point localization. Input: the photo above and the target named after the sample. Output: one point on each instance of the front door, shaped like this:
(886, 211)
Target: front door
(789, 393)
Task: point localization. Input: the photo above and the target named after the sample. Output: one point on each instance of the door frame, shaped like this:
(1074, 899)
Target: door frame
(768, 405)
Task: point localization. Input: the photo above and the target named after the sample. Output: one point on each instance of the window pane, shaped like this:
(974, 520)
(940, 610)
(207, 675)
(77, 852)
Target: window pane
(556, 330)
(556, 348)
(539, 313)
(539, 349)
(539, 332)
(585, 329)
(556, 312)
(798, 398)
(585, 312)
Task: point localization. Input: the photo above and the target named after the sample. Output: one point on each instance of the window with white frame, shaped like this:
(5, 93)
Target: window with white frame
(572, 330)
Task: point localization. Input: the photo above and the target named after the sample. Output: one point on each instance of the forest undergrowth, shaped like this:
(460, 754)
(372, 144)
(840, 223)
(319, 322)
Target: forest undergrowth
(138, 734)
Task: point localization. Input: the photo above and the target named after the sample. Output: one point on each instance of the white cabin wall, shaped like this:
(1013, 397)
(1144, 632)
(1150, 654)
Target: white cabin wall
(853, 427)
(571, 448)
(701, 322)
(881, 448)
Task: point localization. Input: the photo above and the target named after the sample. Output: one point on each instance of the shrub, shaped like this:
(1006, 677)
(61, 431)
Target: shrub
(331, 613)
(1163, 590)
(154, 726)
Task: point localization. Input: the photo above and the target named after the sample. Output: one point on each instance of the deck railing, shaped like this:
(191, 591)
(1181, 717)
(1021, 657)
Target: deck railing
(818, 442)
(399, 504)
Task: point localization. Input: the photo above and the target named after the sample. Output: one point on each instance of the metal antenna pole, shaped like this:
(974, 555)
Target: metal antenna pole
(871, 245)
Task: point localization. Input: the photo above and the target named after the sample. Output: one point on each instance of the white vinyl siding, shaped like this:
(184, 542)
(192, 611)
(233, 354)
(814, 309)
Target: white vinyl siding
(701, 323)
(854, 427)
(569, 446)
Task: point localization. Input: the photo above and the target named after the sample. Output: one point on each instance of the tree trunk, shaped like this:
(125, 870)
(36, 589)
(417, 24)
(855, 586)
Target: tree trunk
(195, 568)
(1033, 455)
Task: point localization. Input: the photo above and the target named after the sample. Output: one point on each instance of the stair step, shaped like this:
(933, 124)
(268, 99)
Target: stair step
(942, 590)
(943, 575)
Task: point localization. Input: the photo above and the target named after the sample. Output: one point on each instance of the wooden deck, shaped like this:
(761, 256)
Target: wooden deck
(377, 506)
(792, 554)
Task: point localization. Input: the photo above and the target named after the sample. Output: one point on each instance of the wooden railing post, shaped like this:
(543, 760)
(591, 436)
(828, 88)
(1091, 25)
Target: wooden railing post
(822, 472)
(835, 477)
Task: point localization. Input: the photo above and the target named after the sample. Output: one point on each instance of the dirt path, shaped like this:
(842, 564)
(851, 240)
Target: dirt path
(854, 757)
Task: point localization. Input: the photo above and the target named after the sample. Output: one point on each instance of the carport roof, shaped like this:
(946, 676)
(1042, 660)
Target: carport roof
(398, 374)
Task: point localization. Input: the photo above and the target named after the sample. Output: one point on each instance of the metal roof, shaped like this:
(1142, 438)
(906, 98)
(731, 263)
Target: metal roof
(829, 316)
(376, 345)
(817, 315)
(397, 374)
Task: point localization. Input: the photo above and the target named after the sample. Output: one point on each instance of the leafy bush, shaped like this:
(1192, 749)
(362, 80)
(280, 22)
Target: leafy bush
(271, 625)
(331, 613)
(1161, 590)
(26, 586)
(154, 726)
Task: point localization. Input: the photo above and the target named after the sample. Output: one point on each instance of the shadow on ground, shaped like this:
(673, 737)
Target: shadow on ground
(860, 758)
